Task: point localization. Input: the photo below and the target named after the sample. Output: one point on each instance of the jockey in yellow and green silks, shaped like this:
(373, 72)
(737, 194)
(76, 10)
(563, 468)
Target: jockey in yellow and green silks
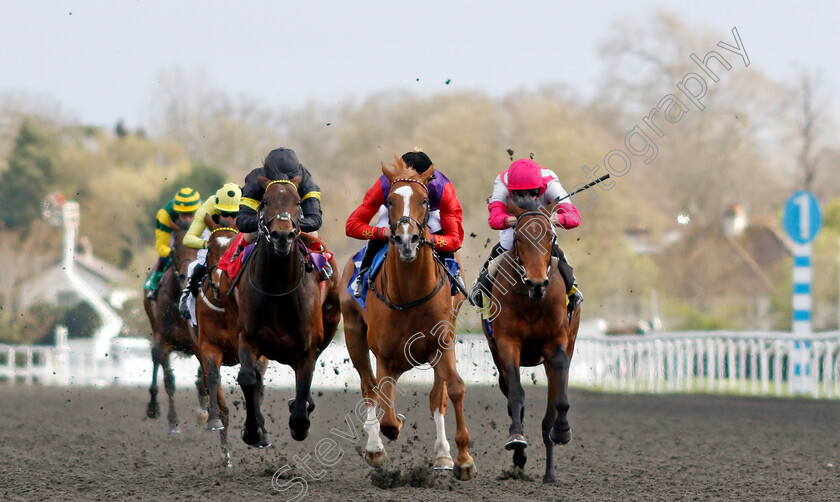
(178, 212)
(224, 205)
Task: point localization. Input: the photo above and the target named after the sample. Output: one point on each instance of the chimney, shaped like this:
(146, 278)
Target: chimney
(734, 221)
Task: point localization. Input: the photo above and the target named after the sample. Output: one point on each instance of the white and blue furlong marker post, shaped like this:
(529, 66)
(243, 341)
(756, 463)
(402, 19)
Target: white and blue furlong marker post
(802, 220)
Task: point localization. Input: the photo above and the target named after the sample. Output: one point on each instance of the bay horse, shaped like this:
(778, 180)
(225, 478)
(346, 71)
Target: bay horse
(408, 321)
(170, 331)
(531, 326)
(285, 313)
(216, 315)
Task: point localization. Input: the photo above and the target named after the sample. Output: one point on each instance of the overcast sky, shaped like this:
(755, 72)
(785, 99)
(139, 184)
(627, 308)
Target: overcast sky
(99, 59)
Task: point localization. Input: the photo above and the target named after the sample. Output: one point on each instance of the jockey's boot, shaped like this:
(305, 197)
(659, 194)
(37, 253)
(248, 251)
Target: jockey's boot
(152, 283)
(183, 303)
(358, 284)
(196, 279)
(483, 285)
(575, 298)
(239, 248)
(326, 272)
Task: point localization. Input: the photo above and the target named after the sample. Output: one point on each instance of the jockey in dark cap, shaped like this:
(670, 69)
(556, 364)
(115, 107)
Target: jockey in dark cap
(281, 163)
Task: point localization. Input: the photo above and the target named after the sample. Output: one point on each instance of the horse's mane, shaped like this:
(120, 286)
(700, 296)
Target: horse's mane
(273, 173)
(527, 203)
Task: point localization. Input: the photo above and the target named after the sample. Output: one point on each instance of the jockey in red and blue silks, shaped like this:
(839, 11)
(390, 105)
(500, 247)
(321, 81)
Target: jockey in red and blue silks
(445, 217)
(525, 177)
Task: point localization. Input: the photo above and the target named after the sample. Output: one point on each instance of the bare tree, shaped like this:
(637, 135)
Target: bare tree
(810, 100)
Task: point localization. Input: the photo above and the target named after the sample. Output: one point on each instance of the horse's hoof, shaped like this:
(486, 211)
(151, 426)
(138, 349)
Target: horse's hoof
(392, 432)
(375, 459)
(516, 441)
(252, 438)
(174, 430)
(153, 411)
(519, 457)
(464, 472)
(263, 443)
(549, 478)
(560, 437)
(299, 428)
(310, 406)
(201, 417)
(443, 464)
(214, 425)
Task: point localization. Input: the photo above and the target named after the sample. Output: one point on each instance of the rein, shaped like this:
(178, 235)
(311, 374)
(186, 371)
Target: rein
(408, 220)
(266, 293)
(515, 253)
(413, 303)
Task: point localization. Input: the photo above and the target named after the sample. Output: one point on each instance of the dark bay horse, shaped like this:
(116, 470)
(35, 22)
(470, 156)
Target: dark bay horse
(532, 327)
(408, 321)
(285, 313)
(170, 331)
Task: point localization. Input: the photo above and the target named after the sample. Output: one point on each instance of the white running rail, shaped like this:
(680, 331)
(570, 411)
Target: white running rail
(742, 363)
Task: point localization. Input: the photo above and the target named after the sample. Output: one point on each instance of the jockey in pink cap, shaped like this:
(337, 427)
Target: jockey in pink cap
(525, 178)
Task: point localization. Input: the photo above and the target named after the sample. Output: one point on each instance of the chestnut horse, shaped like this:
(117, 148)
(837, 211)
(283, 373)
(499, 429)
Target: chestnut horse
(408, 321)
(532, 327)
(285, 313)
(170, 331)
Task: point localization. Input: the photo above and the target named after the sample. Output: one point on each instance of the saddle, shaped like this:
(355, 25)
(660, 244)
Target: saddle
(369, 275)
(317, 256)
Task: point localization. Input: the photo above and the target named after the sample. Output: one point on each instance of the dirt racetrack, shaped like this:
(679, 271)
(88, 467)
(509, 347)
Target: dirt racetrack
(89, 444)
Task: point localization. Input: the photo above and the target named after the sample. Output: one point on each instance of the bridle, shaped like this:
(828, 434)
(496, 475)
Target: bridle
(265, 232)
(408, 220)
(208, 278)
(515, 258)
(284, 216)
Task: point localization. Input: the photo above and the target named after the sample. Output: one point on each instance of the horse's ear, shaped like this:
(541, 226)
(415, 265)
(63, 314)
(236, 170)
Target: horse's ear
(513, 207)
(427, 175)
(553, 207)
(263, 181)
(214, 222)
(297, 179)
(390, 172)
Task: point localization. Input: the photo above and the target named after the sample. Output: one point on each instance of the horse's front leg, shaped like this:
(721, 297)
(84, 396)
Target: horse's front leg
(169, 385)
(211, 368)
(386, 389)
(302, 404)
(201, 413)
(250, 382)
(509, 366)
(153, 408)
(438, 399)
(464, 468)
(554, 384)
(561, 432)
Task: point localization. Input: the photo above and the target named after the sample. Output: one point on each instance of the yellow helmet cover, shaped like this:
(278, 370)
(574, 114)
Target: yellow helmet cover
(227, 198)
(187, 200)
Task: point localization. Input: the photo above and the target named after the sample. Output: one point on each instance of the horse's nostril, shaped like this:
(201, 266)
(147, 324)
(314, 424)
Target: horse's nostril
(529, 283)
(415, 239)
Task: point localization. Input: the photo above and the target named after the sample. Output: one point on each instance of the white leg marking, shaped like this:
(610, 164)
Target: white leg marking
(374, 443)
(441, 443)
